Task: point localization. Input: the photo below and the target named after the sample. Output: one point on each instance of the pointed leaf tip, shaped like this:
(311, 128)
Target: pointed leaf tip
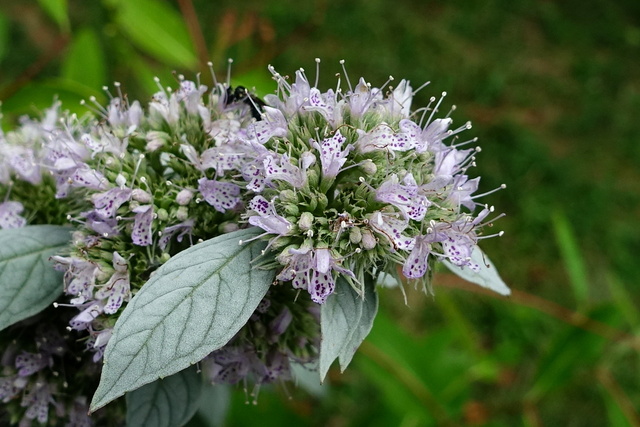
(194, 304)
(487, 276)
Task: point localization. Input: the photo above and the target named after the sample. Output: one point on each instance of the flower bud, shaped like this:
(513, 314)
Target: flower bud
(163, 215)
(184, 197)
(288, 196)
(165, 257)
(228, 227)
(368, 240)
(182, 214)
(322, 201)
(141, 196)
(281, 322)
(355, 235)
(292, 210)
(369, 167)
(121, 180)
(155, 140)
(313, 179)
(306, 221)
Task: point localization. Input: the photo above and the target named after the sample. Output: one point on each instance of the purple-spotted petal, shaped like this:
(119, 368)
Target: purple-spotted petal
(321, 286)
(106, 204)
(141, 234)
(10, 215)
(221, 195)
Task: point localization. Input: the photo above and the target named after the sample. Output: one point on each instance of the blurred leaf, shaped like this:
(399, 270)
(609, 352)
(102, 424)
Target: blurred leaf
(396, 396)
(624, 300)
(571, 256)
(214, 405)
(40, 95)
(4, 35)
(166, 402)
(259, 80)
(84, 62)
(58, 10)
(571, 350)
(307, 379)
(159, 30)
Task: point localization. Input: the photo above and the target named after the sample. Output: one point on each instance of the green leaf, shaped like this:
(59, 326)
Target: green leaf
(344, 324)
(573, 260)
(28, 282)
(192, 305)
(36, 96)
(487, 276)
(166, 402)
(4, 36)
(362, 328)
(159, 30)
(58, 10)
(84, 62)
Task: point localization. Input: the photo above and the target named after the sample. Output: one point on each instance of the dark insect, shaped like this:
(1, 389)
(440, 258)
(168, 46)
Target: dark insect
(241, 95)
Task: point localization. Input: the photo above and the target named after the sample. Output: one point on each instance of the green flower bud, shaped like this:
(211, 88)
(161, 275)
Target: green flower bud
(369, 167)
(292, 210)
(182, 213)
(322, 201)
(163, 215)
(313, 179)
(355, 235)
(288, 196)
(306, 221)
(165, 257)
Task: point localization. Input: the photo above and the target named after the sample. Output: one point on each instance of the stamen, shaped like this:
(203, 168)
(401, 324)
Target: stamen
(213, 73)
(346, 76)
(315, 84)
(229, 62)
(501, 187)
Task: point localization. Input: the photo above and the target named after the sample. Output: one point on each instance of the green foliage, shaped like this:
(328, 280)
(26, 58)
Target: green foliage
(345, 320)
(85, 62)
(164, 34)
(166, 402)
(28, 283)
(161, 331)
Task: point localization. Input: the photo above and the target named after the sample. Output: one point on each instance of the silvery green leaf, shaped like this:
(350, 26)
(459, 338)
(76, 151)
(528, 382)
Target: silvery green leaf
(306, 378)
(214, 404)
(28, 282)
(342, 324)
(194, 304)
(487, 276)
(166, 402)
(363, 327)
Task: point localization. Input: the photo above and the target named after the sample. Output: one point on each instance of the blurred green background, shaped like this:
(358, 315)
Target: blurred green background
(553, 91)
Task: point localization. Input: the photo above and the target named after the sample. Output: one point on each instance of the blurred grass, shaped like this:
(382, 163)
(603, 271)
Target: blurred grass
(553, 90)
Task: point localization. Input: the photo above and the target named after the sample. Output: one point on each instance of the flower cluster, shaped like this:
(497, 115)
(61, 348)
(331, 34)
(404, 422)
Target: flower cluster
(344, 183)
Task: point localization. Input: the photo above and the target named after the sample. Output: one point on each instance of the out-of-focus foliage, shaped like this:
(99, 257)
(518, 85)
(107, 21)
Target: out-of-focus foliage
(553, 90)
